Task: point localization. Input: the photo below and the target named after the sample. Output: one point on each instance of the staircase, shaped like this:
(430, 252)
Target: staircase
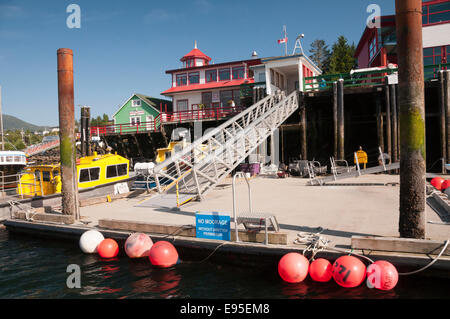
(199, 167)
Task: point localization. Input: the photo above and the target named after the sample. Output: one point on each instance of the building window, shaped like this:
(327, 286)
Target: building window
(135, 102)
(182, 105)
(135, 120)
(211, 75)
(225, 96)
(262, 77)
(436, 13)
(116, 170)
(207, 99)
(432, 55)
(238, 72)
(372, 48)
(194, 78)
(181, 79)
(190, 63)
(272, 77)
(224, 74)
(89, 174)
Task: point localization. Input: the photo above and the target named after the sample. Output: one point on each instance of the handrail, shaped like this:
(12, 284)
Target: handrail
(206, 137)
(322, 82)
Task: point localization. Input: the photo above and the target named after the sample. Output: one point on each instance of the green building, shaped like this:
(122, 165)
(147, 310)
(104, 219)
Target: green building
(140, 113)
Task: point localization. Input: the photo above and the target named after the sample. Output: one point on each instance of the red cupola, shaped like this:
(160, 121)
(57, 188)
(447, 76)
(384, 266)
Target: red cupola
(195, 58)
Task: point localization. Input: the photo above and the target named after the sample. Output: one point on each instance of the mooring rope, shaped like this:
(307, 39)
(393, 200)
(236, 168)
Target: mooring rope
(431, 263)
(316, 243)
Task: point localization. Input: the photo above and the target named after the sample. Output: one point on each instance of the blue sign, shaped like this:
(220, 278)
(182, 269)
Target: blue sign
(212, 226)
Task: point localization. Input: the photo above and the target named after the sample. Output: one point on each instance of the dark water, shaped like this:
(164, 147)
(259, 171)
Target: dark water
(36, 268)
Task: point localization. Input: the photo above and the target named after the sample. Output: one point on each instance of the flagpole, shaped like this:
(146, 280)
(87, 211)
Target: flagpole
(285, 42)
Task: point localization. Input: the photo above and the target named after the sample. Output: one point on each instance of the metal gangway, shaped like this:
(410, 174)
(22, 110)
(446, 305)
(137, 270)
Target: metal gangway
(195, 170)
(41, 147)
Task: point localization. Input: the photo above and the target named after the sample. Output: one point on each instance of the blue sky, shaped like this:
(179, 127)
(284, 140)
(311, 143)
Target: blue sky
(126, 46)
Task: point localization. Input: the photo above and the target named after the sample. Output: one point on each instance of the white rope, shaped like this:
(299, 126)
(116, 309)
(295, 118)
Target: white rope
(315, 243)
(431, 263)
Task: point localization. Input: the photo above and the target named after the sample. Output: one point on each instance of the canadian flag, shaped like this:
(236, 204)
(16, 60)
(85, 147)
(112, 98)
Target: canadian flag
(284, 40)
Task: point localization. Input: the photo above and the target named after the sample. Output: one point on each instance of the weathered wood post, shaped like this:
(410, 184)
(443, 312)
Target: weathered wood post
(335, 119)
(341, 119)
(393, 104)
(380, 124)
(67, 133)
(387, 100)
(88, 130)
(303, 141)
(412, 118)
(442, 117)
(447, 112)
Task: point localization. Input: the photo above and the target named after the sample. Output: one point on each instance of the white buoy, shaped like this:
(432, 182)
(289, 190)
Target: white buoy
(138, 245)
(90, 240)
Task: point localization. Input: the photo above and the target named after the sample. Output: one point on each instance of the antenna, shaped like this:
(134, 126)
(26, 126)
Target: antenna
(298, 44)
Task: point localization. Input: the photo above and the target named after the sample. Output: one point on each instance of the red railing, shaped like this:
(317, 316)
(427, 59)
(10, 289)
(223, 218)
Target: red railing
(139, 127)
(198, 114)
(195, 114)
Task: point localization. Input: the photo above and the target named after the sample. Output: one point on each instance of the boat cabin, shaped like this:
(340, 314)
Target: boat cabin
(95, 170)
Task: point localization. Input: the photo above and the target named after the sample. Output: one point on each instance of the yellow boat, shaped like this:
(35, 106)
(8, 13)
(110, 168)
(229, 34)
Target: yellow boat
(177, 146)
(95, 170)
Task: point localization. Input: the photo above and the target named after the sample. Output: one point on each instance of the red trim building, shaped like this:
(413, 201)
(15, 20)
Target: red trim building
(377, 46)
(199, 85)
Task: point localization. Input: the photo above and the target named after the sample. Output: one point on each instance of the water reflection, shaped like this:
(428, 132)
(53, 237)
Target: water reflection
(32, 268)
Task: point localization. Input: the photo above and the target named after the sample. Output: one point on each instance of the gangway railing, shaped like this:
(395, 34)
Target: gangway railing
(200, 166)
(41, 147)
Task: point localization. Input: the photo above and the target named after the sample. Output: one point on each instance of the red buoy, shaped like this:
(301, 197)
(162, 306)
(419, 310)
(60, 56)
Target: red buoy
(445, 184)
(108, 248)
(320, 270)
(138, 245)
(382, 275)
(293, 267)
(437, 182)
(163, 254)
(349, 271)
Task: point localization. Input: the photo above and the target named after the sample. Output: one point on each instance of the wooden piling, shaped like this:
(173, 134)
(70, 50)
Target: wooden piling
(412, 118)
(442, 117)
(447, 112)
(84, 121)
(67, 133)
(394, 121)
(335, 119)
(303, 140)
(387, 103)
(341, 119)
(380, 124)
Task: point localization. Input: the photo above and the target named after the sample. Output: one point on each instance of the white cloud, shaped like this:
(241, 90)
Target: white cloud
(10, 11)
(159, 15)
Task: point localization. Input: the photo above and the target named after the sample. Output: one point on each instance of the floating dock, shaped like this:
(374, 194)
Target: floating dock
(352, 217)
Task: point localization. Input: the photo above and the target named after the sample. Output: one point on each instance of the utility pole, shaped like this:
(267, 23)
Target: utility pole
(412, 118)
(67, 133)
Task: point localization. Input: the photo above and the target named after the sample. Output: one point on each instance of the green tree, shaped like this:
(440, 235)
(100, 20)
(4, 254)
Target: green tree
(342, 58)
(320, 54)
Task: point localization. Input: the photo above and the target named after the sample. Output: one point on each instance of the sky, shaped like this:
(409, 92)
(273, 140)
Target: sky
(125, 47)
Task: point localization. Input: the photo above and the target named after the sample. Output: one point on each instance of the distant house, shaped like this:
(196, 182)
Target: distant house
(140, 113)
